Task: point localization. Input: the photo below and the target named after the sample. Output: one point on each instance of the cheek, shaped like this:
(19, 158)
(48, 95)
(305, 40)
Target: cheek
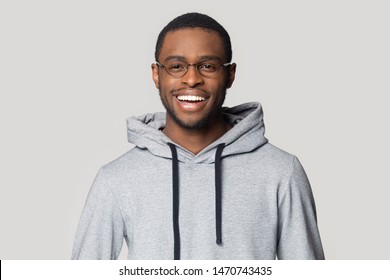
(220, 86)
(167, 84)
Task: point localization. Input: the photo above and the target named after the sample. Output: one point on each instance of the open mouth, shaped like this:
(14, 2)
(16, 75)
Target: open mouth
(190, 98)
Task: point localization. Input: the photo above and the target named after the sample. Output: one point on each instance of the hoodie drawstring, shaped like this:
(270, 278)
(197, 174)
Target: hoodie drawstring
(175, 198)
(218, 193)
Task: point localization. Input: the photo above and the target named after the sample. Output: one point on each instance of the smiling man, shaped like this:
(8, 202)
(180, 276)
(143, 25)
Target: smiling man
(202, 181)
(193, 86)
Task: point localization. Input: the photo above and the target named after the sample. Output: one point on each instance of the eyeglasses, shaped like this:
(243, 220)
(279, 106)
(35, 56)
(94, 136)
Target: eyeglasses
(178, 68)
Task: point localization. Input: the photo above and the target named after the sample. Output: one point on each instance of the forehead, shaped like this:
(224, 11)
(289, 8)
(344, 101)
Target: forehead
(192, 44)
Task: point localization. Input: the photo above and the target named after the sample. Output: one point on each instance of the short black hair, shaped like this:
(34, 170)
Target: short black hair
(195, 20)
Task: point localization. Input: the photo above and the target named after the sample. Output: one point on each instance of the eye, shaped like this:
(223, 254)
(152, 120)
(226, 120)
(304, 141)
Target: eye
(207, 67)
(176, 67)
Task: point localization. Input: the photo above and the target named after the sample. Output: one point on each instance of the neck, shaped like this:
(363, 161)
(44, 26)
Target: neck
(195, 140)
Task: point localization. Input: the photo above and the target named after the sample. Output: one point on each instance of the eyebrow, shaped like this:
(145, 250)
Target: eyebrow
(202, 58)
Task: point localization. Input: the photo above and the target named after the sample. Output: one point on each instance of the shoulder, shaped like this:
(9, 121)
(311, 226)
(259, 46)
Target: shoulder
(288, 167)
(274, 156)
(276, 153)
(122, 167)
(122, 161)
(274, 162)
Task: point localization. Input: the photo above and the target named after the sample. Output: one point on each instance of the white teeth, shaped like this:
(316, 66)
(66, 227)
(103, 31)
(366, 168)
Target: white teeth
(190, 98)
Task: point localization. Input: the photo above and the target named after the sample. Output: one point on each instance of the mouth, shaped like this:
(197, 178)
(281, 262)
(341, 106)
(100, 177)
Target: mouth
(190, 98)
(193, 102)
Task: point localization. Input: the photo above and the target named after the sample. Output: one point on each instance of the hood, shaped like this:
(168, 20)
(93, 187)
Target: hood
(246, 134)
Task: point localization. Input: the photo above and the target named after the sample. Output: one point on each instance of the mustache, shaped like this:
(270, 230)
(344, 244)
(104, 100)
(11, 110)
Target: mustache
(186, 89)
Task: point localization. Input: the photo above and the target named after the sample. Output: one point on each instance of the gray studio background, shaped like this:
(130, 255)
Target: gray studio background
(71, 72)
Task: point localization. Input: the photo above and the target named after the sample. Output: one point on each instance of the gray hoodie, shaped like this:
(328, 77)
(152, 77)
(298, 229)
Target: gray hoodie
(239, 198)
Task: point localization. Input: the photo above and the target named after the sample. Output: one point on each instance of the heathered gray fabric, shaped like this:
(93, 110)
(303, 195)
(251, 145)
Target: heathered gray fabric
(268, 209)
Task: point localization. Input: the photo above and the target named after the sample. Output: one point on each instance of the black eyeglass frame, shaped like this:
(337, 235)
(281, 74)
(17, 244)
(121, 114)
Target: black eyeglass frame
(160, 65)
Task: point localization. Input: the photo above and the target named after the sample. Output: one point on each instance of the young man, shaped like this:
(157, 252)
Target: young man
(202, 181)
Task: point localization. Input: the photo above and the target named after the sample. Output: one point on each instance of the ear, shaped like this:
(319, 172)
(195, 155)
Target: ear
(155, 75)
(231, 75)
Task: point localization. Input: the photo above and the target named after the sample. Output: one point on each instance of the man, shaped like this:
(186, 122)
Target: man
(202, 181)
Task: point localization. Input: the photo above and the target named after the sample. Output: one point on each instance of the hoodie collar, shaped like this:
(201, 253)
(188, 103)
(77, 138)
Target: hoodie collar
(246, 134)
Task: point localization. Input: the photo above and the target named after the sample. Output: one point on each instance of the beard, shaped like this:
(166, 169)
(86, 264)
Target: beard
(195, 124)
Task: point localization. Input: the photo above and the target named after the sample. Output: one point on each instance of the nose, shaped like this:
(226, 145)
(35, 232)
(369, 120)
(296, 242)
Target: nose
(192, 77)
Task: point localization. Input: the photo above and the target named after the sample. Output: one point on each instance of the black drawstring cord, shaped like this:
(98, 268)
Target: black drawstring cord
(175, 200)
(218, 193)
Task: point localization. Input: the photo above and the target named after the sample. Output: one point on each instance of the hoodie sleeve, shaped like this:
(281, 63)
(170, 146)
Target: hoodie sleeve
(298, 235)
(100, 231)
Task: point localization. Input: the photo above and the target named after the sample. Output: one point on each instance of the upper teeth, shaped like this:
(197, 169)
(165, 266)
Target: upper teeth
(190, 98)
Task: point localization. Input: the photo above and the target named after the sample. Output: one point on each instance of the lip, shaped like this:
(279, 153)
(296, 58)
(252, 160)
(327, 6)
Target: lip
(188, 106)
(190, 92)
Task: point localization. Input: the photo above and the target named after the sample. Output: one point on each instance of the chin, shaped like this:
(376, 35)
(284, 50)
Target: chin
(191, 124)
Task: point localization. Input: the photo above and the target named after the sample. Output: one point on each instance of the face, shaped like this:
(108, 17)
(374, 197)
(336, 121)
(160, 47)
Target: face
(192, 101)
